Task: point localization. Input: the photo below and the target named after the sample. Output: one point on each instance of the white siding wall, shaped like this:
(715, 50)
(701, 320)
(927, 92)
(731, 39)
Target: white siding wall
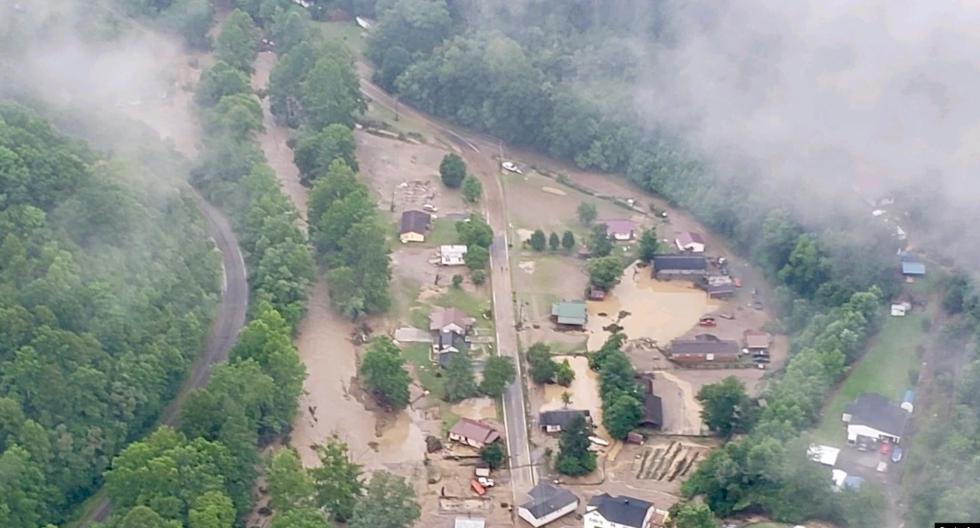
(864, 430)
(526, 515)
(594, 520)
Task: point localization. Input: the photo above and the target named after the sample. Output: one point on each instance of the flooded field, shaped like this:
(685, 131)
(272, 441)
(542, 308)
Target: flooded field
(584, 391)
(657, 310)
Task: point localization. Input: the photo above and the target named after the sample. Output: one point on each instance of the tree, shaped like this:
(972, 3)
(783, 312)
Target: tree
(574, 458)
(476, 258)
(564, 375)
(388, 502)
(211, 510)
(457, 281)
(474, 232)
(290, 486)
(587, 213)
(622, 415)
(807, 269)
(605, 272)
(542, 366)
(568, 240)
(498, 373)
(472, 189)
(300, 518)
(460, 383)
(693, 515)
(383, 373)
(330, 92)
(727, 408)
(566, 399)
(600, 245)
(452, 170)
(337, 480)
(144, 517)
(396, 61)
(538, 240)
(218, 81)
(493, 454)
(315, 152)
(238, 42)
(648, 245)
(478, 276)
(553, 241)
(192, 20)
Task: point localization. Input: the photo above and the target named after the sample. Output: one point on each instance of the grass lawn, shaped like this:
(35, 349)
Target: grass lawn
(418, 355)
(346, 33)
(884, 370)
(443, 233)
(471, 303)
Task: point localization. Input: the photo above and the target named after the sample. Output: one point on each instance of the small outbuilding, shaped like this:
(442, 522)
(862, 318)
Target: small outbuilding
(911, 265)
(473, 433)
(454, 255)
(414, 226)
(756, 341)
(469, 522)
(690, 242)
(822, 454)
(570, 313)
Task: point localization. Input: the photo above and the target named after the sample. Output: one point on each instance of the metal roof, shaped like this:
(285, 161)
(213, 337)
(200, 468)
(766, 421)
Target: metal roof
(570, 312)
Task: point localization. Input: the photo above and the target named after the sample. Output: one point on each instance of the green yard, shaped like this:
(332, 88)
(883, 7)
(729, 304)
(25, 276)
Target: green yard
(346, 33)
(473, 304)
(884, 370)
(428, 372)
(443, 232)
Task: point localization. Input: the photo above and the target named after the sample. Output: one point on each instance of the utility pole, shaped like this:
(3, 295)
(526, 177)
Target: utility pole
(396, 108)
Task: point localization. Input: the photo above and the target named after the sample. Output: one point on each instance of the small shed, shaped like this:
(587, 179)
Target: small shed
(414, 226)
(690, 242)
(825, 455)
(570, 313)
(452, 255)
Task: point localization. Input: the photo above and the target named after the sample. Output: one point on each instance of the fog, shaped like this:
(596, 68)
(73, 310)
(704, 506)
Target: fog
(835, 98)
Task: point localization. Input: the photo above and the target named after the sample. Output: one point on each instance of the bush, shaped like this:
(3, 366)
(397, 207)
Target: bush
(452, 170)
(478, 277)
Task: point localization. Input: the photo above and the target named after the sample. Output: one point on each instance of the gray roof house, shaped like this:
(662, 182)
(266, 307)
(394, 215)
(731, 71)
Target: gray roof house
(876, 417)
(556, 421)
(547, 503)
(703, 348)
(668, 266)
(608, 510)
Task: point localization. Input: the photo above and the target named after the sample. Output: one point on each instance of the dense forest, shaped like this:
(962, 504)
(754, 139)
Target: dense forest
(107, 287)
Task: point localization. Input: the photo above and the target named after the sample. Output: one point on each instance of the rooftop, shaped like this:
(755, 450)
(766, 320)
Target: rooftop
(442, 317)
(562, 417)
(475, 430)
(703, 344)
(679, 262)
(878, 412)
(546, 498)
(463, 522)
(621, 510)
(689, 237)
(415, 222)
(756, 339)
(618, 226)
(570, 312)
(913, 268)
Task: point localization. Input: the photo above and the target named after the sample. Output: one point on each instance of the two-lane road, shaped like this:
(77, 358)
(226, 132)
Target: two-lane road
(477, 152)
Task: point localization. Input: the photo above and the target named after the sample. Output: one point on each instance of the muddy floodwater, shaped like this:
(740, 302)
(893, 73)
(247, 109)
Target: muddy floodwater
(584, 390)
(657, 310)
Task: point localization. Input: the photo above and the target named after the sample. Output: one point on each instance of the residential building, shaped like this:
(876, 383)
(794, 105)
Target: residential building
(690, 242)
(452, 255)
(557, 421)
(874, 417)
(620, 229)
(450, 320)
(911, 265)
(679, 266)
(607, 511)
(473, 433)
(757, 342)
(704, 348)
(414, 226)
(653, 409)
(546, 503)
(570, 313)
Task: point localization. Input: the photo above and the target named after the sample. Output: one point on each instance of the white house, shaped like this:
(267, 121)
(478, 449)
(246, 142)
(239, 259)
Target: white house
(875, 417)
(620, 229)
(452, 255)
(547, 503)
(690, 242)
(607, 511)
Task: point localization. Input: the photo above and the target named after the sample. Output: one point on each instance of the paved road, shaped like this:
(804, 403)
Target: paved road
(228, 322)
(478, 152)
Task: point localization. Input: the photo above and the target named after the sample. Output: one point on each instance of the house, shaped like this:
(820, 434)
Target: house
(450, 320)
(876, 417)
(414, 226)
(911, 265)
(570, 313)
(473, 433)
(452, 255)
(822, 454)
(448, 345)
(620, 229)
(608, 511)
(469, 522)
(686, 266)
(703, 348)
(720, 291)
(557, 421)
(756, 342)
(653, 409)
(546, 503)
(690, 242)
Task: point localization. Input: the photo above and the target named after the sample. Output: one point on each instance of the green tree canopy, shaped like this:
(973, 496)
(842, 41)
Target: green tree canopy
(290, 486)
(460, 383)
(600, 245)
(338, 480)
(218, 81)
(475, 232)
(605, 272)
(538, 240)
(238, 42)
(452, 169)
(693, 515)
(493, 454)
(568, 240)
(574, 457)
(553, 241)
(315, 152)
(498, 373)
(543, 368)
(383, 373)
(649, 245)
(472, 189)
(587, 213)
(388, 502)
(564, 374)
(726, 407)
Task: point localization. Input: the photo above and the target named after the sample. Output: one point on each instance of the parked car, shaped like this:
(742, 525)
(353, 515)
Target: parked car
(737, 281)
(885, 448)
(897, 455)
(510, 166)
(882, 466)
(707, 321)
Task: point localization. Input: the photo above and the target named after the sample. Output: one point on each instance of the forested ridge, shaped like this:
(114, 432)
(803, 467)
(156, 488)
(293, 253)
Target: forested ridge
(107, 287)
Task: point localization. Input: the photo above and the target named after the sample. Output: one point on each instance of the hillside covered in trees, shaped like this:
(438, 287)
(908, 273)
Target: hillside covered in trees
(107, 287)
